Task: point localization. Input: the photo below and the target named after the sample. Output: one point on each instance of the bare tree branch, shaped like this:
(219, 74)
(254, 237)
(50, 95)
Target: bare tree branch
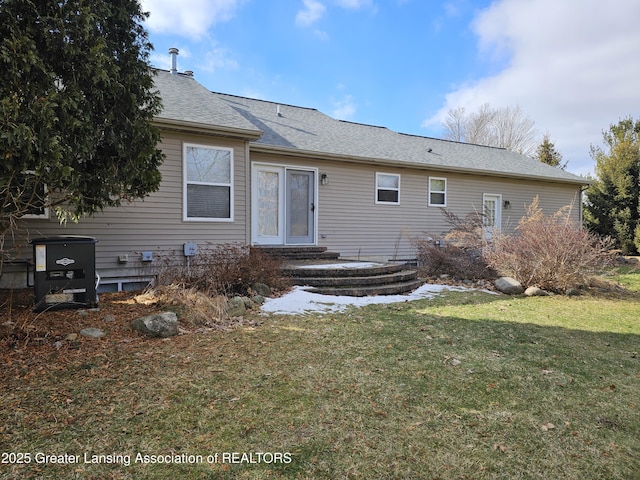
(507, 127)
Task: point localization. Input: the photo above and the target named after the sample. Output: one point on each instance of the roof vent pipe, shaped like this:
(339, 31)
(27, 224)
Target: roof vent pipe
(174, 60)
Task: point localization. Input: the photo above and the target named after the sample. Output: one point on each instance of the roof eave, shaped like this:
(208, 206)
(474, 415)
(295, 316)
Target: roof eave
(294, 152)
(206, 129)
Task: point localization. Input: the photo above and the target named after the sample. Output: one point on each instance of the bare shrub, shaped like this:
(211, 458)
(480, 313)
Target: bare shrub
(461, 254)
(227, 269)
(196, 309)
(548, 251)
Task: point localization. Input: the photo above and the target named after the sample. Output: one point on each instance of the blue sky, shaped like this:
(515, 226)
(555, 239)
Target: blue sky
(571, 65)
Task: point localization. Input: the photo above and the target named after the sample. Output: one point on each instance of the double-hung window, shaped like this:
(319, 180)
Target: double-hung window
(388, 188)
(437, 192)
(208, 183)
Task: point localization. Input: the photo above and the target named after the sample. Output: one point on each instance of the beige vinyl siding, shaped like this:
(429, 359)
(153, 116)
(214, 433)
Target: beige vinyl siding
(351, 223)
(154, 224)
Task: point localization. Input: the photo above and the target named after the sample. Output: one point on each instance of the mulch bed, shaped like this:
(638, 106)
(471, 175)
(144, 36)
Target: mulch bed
(29, 339)
(32, 341)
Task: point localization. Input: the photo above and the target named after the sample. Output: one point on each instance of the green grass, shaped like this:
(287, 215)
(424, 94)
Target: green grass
(466, 386)
(629, 277)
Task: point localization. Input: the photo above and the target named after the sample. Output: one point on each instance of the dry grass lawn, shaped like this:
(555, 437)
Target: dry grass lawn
(466, 386)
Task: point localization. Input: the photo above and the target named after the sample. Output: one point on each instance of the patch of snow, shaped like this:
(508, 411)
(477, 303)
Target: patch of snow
(300, 300)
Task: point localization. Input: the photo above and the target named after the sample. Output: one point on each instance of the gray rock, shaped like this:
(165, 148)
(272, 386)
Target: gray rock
(261, 289)
(572, 292)
(257, 299)
(248, 304)
(509, 285)
(109, 318)
(535, 292)
(163, 325)
(236, 307)
(92, 332)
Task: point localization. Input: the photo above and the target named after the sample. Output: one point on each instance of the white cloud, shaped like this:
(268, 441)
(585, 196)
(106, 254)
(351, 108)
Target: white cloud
(312, 12)
(452, 8)
(354, 4)
(571, 65)
(191, 19)
(321, 34)
(344, 108)
(218, 58)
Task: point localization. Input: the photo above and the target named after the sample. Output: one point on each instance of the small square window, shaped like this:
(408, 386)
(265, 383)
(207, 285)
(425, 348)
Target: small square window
(388, 188)
(437, 192)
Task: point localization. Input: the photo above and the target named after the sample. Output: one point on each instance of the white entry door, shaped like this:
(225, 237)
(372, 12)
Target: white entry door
(283, 205)
(267, 210)
(492, 213)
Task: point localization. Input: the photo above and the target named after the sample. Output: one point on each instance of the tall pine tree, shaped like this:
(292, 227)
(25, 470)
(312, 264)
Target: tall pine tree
(613, 199)
(547, 153)
(76, 101)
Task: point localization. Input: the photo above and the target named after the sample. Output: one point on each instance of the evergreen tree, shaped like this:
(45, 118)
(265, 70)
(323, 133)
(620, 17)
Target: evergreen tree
(76, 101)
(547, 153)
(613, 199)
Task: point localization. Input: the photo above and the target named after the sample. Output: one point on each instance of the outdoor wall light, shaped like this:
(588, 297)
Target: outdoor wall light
(507, 204)
(324, 179)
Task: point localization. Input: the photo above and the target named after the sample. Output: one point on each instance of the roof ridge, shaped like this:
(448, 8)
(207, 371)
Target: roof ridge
(451, 141)
(363, 124)
(262, 100)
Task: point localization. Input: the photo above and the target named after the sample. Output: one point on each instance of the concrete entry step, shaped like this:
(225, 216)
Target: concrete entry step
(353, 278)
(332, 281)
(341, 269)
(314, 266)
(301, 252)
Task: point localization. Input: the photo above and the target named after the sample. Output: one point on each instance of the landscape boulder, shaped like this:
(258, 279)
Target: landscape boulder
(163, 325)
(535, 292)
(236, 307)
(261, 289)
(509, 285)
(92, 332)
(257, 299)
(248, 303)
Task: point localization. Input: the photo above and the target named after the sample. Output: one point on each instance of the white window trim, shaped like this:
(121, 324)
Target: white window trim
(45, 215)
(185, 182)
(379, 202)
(443, 205)
(489, 230)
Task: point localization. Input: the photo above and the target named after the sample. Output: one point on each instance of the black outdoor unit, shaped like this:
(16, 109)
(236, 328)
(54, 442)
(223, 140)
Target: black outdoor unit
(65, 272)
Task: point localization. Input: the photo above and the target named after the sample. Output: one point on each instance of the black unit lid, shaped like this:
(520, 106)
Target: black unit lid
(62, 239)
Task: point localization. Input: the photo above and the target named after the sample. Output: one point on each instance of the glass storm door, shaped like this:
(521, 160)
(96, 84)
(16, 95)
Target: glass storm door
(283, 208)
(300, 207)
(492, 214)
(267, 205)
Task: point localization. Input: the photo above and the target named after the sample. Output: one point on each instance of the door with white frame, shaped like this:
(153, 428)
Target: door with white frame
(283, 205)
(492, 214)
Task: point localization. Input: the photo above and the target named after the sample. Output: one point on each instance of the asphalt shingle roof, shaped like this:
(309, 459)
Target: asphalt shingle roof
(185, 100)
(308, 131)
